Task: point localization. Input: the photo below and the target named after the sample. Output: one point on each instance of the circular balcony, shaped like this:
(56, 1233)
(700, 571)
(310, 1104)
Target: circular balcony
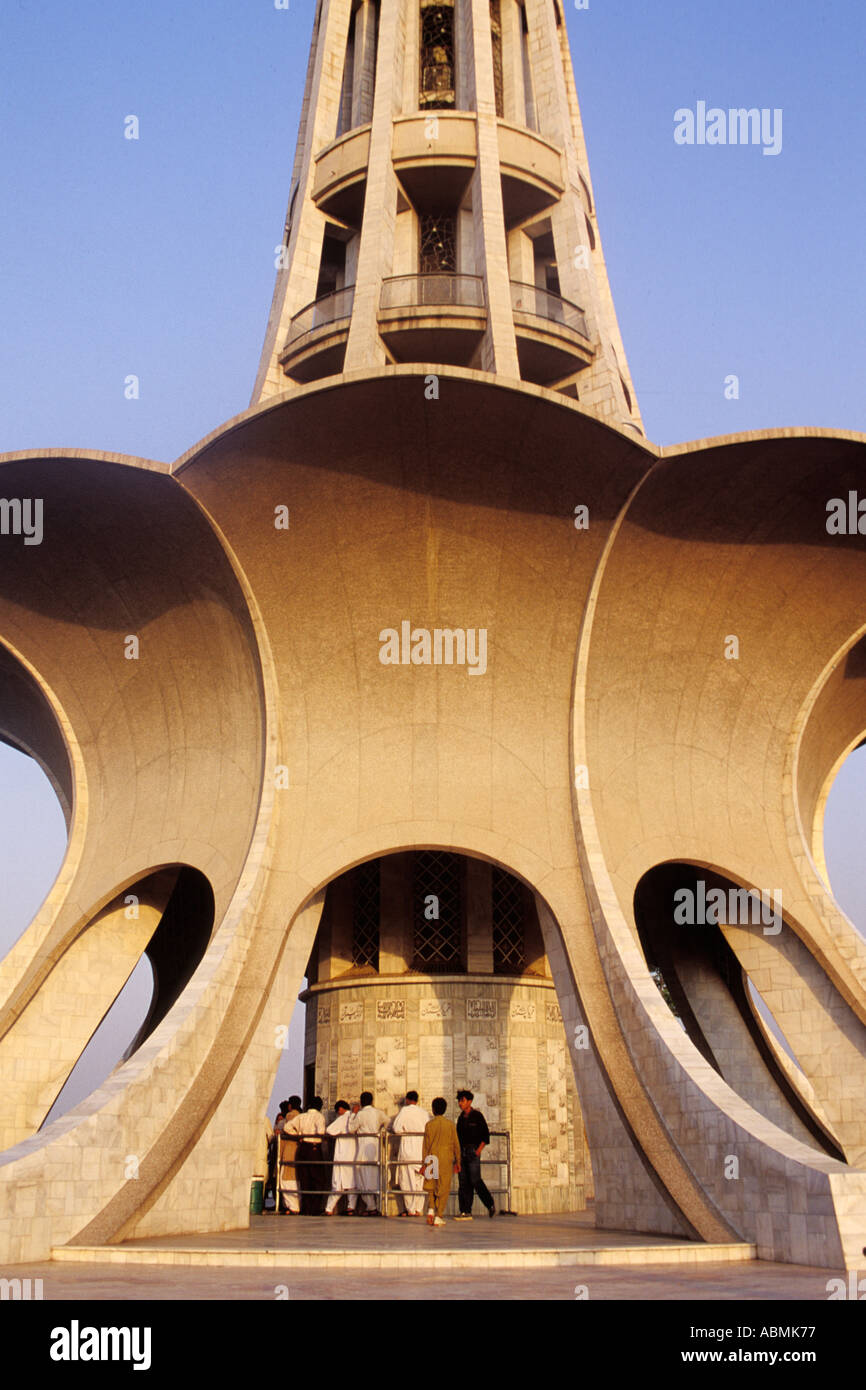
(340, 182)
(531, 171)
(436, 317)
(316, 341)
(552, 334)
(434, 156)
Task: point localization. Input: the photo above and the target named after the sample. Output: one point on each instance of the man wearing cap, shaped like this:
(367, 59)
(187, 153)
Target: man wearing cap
(343, 1178)
(289, 1202)
(440, 1152)
(410, 1123)
(366, 1124)
(309, 1129)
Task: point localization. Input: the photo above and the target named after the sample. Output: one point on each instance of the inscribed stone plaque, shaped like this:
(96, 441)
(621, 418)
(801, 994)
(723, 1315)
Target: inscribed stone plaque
(323, 1013)
(482, 1074)
(436, 1008)
(350, 1080)
(387, 1009)
(481, 1008)
(522, 1011)
(553, 1013)
(323, 1057)
(557, 1113)
(352, 1011)
(390, 1072)
(435, 1068)
(524, 1111)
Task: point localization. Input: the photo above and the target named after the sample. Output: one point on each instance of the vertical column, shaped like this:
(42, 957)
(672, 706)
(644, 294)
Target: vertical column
(364, 75)
(499, 347)
(479, 917)
(364, 348)
(607, 312)
(512, 62)
(395, 918)
(521, 258)
(335, 947)
(599, 386)
(297, 286)
(345, 122)
(412, 57)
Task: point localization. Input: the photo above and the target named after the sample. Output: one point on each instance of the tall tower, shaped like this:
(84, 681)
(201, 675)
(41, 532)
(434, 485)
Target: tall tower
(431, 703)
(441, 214)
(441, 208)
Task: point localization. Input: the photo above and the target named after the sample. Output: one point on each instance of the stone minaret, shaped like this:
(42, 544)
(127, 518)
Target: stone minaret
(441, 214)
(441, 208)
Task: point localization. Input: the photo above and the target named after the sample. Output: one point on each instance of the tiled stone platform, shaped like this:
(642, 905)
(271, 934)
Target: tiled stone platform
(315, 1243)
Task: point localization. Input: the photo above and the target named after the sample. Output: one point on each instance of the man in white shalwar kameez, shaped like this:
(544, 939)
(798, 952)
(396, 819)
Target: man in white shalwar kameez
(343, 1175)
(288, 1201)
(410, 1123)
(367, 1124)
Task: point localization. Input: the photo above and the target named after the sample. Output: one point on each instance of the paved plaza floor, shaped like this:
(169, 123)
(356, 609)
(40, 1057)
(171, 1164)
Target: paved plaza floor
(754, 1281)
(509, 1258)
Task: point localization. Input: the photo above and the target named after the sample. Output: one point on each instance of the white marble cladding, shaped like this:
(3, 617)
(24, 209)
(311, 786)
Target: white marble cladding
(503, 1040)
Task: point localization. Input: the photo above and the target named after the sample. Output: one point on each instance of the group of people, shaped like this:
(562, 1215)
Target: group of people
(432, 1150)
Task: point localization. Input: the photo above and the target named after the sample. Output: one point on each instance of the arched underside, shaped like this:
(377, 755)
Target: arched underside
(676, 906)
(697, 694)
(130, 671)
(601, 646)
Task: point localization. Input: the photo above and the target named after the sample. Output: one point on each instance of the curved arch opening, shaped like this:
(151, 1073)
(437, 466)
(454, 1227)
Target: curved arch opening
(429, 973)
(844, 834)
(679, 909)
(161, 973)
(33, 841)
(36, 793)
(109, 1045)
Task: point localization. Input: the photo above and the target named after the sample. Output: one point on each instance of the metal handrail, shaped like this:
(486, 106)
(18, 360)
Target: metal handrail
(532, 299)
(385, 1193)
(434, 287)
(328, 308)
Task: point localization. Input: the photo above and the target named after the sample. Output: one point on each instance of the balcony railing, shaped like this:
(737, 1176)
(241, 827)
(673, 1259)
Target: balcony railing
(436, 288)
(530, 299)
(328, 308)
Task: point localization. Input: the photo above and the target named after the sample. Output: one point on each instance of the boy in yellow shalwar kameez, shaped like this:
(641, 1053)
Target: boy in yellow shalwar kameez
(440, 1161)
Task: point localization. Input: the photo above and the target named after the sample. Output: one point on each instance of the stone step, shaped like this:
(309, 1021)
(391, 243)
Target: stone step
(441, 1255)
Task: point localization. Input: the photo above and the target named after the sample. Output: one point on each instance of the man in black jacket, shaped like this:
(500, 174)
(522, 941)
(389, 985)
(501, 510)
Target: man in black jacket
(474, 1136)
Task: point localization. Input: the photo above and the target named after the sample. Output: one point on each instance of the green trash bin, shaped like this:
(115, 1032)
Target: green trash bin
(257, 1197)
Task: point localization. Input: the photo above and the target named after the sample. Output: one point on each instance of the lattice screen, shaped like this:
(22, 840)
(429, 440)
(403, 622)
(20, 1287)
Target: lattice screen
(438, 243)
(365, 914)
(437, 56)
(509, 943)
(437, 939)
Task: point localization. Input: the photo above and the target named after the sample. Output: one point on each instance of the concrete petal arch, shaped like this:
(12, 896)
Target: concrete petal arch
(264, 741)
(694, 746)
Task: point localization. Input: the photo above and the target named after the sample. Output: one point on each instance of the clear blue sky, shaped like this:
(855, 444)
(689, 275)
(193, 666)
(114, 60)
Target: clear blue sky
(155, 257)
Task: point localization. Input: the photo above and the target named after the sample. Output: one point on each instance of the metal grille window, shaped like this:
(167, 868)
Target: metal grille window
(436, 913)
(437, 56)
(365, 915)
(496, 37)
(438, 250)
(509, 944)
